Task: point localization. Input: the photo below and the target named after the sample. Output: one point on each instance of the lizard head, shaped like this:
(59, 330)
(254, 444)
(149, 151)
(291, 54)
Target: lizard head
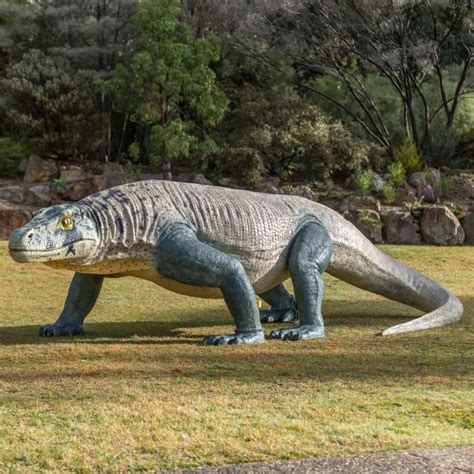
(57, 233)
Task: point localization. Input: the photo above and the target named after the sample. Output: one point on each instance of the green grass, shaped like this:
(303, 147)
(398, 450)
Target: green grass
(140, 392)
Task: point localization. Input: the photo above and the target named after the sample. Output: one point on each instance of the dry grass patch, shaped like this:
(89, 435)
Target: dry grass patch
(140, 392)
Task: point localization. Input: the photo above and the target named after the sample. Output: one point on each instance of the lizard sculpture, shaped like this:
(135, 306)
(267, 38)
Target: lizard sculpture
(215, 242)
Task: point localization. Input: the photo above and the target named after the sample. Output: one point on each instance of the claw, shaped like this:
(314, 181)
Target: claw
(278, 315)
(304, 332)
(67, 330)
(250, 337)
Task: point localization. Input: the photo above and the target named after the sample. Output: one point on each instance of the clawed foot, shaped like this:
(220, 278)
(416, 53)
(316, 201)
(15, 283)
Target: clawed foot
(278, 315)
(54, 330)
(247, 337)
(298, 333)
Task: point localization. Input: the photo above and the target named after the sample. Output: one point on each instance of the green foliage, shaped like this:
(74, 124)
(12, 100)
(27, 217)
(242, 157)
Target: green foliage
(51, 107)
(447, 184)
(290, 137)
(11, 152)
(364, 180)
(169, 88)
(409, 156)
(388, 192)
(397, 173)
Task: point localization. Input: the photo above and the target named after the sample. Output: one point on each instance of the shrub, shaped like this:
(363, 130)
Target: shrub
(409, 156)
(447, 184)
(388, 193)
(397, 173)
(11, 152)
(364, 181)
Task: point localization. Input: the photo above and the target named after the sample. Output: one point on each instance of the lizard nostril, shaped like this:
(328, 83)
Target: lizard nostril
(30, 235)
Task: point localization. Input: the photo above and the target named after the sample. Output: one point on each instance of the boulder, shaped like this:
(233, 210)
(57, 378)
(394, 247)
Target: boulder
(13, 216)
(40, 195)
(306, 192)
(73, 174)
(400, 228)
(99, 183)
(39, 170)
(405, 195)
(417, 179)
(80, 189)
(368, 222)
(269, 185)
(15, 194)
(353, 203)
(468, 227)
(201, 179)
(440, 226)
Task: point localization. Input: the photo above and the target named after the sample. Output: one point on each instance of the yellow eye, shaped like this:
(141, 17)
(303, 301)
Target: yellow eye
(66, 222)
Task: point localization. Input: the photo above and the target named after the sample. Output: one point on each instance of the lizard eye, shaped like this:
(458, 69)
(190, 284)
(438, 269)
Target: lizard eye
(66, 222)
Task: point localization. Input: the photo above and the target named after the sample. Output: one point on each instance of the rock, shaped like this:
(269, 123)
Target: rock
(200, 179)
(427, 193)
(39, 171)
(468, 227)
(80, 189)
(73, 174)
(116, 178)
(417, 179)
(13, 216)
(228, 183)
(269, 185)
(306, 192)
(440, 226)
(352, 203)
(368, 222)
(400, 228)
(40, 195)
(377, 182)
(15, 194)
(99, 183)
(109, 168)
(23, 165)
(405, 195)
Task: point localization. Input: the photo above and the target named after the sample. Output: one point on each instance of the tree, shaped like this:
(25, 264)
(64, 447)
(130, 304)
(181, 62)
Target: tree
(47, 104)
(92, 36)
(169, 89)
(406, 43)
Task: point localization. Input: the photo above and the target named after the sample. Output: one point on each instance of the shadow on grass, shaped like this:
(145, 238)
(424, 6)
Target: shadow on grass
(174, 330)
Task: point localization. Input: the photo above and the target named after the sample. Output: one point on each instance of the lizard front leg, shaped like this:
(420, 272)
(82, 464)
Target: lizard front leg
(180, 255)
(283, 306)
(309, 256)
(81, 298)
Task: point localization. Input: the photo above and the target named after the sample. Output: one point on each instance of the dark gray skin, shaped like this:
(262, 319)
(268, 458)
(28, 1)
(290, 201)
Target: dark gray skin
(182, 257)
(213, 242)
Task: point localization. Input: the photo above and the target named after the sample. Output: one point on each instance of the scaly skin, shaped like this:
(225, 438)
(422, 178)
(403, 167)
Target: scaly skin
(215, 242)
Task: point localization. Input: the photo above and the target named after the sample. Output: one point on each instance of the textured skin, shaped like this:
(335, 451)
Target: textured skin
(116, 232)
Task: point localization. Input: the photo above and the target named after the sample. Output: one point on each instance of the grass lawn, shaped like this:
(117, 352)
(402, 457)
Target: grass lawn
(139, 391)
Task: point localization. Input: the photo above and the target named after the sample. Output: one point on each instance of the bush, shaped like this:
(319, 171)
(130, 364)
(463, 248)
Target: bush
(364, 181)
(397, 173)
(388, 192)
(11, 152)
(51, 106)
(409, 156)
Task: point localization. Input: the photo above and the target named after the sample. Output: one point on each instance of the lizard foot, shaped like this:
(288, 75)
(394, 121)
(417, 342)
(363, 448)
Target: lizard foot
(240, 337)
(54, 330)
(298, 333)
(278, 315)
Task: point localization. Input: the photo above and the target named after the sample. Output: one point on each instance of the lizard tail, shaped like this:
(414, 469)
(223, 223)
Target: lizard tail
(361, 264)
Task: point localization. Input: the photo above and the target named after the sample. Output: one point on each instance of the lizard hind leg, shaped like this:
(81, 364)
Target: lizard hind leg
(309, 256)
(282, 306)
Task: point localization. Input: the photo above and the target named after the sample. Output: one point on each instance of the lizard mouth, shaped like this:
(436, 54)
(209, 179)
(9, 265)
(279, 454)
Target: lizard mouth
(25, 255)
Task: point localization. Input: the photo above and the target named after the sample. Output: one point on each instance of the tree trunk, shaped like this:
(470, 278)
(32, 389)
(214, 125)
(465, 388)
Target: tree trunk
(167, 170)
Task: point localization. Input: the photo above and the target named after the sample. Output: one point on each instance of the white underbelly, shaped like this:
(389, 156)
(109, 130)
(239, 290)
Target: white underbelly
(266, 283)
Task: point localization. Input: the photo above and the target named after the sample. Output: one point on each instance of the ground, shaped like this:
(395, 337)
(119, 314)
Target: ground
(140, 392)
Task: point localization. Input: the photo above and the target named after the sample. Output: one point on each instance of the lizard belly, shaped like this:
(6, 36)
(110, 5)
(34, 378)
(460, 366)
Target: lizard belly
(265, 283)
